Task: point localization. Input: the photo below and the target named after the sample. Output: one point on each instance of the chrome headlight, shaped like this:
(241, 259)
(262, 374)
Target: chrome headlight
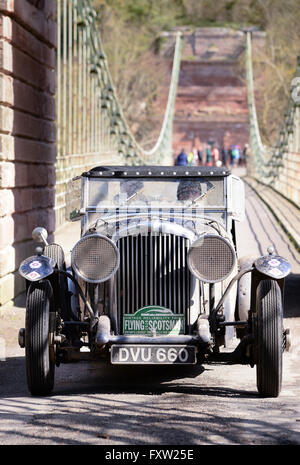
(211, 258)
(95, 258)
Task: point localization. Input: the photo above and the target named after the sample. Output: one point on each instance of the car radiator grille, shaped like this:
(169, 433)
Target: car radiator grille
(153, 271)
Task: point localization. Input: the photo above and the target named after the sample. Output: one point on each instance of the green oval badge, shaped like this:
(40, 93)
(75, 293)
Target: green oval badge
(153, 320)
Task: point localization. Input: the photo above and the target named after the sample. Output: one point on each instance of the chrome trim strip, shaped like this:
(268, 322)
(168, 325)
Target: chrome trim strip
(155, 226)
(181, 339)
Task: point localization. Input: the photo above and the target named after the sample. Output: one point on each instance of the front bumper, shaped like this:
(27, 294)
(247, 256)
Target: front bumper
(104, 336)
(181, 339)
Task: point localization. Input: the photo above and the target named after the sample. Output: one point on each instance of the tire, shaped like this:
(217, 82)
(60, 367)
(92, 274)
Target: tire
(269, 338)
(40, 365)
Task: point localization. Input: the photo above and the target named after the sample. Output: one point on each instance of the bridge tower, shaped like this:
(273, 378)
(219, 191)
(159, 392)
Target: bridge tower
(211, 100)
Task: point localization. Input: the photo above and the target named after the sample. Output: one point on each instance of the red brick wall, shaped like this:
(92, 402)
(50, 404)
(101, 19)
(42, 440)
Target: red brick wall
(211, 99)
(27, 132)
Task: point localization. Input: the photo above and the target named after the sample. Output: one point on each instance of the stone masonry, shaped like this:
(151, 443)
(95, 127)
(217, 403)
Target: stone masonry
(27, 132)
(211, 100)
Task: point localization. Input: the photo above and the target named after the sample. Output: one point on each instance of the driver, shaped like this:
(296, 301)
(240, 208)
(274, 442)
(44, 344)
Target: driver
(189, 189)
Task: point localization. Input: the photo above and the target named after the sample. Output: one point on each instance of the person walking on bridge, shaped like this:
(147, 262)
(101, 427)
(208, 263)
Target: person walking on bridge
(225, 156)
(235, 155)
(182, 159)
(190, 158)
(216, 155)
(208, 155)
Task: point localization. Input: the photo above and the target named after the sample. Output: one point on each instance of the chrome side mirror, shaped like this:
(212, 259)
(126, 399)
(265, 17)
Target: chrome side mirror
(40, 235)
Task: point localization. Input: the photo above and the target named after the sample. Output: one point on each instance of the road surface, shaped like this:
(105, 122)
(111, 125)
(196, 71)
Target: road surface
(202, 405)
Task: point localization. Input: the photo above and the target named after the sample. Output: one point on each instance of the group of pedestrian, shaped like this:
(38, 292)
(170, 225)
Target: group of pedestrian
(212, 155)
(188, 159)
(234, 156)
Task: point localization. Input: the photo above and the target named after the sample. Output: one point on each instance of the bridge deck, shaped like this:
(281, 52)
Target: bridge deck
(261, 229)
(287, 214)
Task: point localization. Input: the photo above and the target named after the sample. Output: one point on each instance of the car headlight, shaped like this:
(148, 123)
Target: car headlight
(211, 258)
(95, 258)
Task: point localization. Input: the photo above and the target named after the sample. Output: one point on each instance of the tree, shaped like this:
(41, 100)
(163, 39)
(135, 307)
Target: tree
(141, 76)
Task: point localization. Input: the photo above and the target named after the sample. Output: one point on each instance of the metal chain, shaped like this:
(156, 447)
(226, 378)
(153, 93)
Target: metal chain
(266, 163)
(90, 119)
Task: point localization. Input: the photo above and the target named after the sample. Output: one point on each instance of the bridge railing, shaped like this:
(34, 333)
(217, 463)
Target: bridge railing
(91, 126)
(279, 165)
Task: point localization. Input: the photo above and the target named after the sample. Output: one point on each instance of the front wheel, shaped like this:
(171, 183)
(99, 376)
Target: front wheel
(40, 363)
(269, 338)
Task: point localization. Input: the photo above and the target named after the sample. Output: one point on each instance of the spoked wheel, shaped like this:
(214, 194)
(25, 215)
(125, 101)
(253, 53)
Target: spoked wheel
(39, 350)
(269, 338)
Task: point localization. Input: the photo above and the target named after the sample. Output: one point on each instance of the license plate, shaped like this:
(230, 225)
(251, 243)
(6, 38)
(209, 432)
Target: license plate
(153, 354)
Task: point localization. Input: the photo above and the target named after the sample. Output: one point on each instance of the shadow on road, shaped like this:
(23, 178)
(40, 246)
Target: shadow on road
(154, 414)
(101, 378)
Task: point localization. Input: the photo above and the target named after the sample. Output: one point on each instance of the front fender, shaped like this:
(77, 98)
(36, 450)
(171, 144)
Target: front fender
(274, 266)
(36, 267)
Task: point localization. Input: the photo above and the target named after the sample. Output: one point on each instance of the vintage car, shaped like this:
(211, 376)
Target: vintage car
(154, 278)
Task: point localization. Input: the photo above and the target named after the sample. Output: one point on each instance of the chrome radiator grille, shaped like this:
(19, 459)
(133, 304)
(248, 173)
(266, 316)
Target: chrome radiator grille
(153, 271)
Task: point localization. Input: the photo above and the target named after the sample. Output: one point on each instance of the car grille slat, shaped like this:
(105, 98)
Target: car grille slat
(153, 271)
(178, 269)
(173, 276)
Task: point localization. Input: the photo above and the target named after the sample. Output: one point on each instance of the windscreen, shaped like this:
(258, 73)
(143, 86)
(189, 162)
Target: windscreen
(156, 193)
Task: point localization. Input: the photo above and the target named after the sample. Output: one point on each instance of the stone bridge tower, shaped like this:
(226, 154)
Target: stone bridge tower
(211, 100)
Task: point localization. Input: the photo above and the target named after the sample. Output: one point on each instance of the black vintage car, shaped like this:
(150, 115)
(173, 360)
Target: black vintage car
(154, 278)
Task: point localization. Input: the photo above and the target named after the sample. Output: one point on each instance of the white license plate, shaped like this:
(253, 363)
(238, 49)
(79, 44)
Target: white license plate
(153, 354)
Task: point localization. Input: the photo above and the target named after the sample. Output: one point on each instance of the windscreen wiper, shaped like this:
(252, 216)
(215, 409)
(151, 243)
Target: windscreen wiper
(129, 198)
(103, 218)
(201, 196)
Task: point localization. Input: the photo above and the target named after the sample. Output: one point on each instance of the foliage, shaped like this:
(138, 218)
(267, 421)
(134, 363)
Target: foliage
(139, 74)
(275, 65)
(141, 77)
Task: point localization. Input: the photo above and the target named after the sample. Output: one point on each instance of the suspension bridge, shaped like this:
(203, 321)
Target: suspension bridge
(61, 116)
(92, 128)
(91, 125)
